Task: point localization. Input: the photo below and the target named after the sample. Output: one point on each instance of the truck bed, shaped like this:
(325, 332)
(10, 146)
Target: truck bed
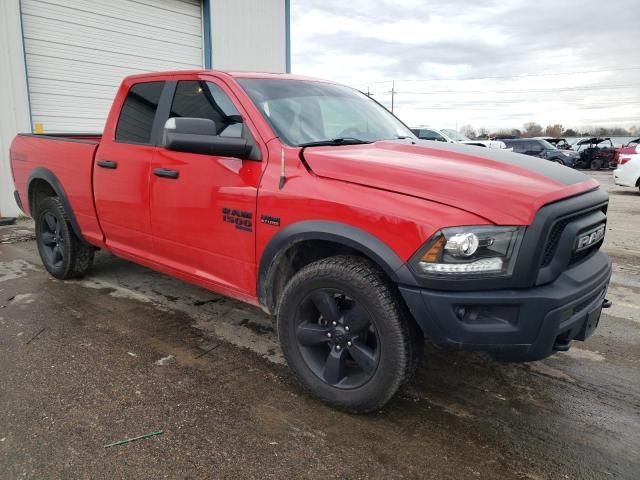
(68, 160)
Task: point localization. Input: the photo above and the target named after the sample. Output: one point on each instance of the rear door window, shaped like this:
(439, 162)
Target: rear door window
(138, 112)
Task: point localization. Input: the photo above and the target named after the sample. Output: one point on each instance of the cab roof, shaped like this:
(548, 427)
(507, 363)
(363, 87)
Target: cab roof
(233, 74)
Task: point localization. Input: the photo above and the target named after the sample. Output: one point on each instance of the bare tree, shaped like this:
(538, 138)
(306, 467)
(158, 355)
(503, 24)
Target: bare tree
(531, 129)
(468, 131)
(553, 130)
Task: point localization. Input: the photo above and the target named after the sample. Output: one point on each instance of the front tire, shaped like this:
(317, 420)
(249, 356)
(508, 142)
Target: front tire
(345, 334)
(63, 254)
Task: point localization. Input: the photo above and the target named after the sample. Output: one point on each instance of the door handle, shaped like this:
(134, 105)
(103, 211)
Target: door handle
(166, 173)
(108, 164)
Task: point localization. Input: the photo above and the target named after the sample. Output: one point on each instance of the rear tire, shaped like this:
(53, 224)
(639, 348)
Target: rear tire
(595, 165)
(63, 254)
(346, 335)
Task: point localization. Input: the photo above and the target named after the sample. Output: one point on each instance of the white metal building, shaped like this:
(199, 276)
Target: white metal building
(61, 61)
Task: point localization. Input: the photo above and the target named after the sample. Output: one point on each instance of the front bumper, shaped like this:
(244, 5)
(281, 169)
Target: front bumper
(518, 324)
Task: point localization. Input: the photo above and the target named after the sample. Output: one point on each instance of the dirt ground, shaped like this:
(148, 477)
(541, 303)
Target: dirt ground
(127, 351)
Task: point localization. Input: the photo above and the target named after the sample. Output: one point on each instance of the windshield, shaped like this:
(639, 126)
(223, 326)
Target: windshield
(453, 135)
(548, 145)
(302, 112)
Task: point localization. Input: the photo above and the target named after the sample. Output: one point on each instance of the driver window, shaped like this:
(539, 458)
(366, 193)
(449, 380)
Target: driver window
(198, 99)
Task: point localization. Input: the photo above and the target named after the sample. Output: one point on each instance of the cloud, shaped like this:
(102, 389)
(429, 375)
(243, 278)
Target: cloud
(439, 53)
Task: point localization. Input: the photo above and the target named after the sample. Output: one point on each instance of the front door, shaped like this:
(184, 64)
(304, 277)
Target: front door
(121, 173)
(203, 207)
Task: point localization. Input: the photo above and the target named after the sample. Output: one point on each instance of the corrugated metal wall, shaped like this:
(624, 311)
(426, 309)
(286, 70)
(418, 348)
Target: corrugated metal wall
(14, 102)
(249, 35)
(78, 51)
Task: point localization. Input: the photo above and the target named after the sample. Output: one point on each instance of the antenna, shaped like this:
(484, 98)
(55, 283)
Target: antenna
(283, 177)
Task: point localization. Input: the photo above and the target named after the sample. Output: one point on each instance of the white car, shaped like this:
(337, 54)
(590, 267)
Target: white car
(451, 136)
(628, 172)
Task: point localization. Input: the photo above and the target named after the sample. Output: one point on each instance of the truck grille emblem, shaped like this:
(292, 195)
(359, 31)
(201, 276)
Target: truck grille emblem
(590, 238)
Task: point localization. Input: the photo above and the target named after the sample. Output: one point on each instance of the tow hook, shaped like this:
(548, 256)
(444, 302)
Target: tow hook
(606, 303)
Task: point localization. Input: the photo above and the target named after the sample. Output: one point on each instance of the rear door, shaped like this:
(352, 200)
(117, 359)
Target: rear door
(121, 172)
(534, 148)
(203, 207)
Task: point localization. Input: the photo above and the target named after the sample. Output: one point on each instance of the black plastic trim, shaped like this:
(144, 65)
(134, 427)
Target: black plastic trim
(346, 235)
(162, 112)
(544, 313)
(166, 173)
(18, 200)
(41, 173)
(64, 137)
(112, 164)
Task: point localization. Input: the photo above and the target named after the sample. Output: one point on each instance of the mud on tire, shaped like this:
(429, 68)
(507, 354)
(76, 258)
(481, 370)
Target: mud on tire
(63, 254)
(342, 309)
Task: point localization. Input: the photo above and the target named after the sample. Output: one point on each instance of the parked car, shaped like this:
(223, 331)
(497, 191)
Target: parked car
(540, 148)
(310, 200)
(595, 153)
(628, 172)
(629, 148)
(452, 136)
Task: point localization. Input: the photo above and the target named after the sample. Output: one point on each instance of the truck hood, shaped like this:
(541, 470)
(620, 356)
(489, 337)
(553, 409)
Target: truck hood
(503, 187)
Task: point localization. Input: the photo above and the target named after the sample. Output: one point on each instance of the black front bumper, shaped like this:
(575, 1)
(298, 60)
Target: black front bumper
(518, 324)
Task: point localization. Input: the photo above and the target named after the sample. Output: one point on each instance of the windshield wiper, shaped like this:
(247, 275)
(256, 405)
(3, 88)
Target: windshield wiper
(335, 141)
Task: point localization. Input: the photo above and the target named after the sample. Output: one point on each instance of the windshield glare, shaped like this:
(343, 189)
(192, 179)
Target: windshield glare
(453, 135)
(302, 111)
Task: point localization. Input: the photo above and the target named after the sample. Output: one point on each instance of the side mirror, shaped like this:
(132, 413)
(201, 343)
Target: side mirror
(198, 135)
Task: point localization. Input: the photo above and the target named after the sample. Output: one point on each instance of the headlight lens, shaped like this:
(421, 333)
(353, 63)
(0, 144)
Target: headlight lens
(469, 251)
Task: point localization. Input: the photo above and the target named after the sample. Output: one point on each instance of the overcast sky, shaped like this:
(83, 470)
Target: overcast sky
(435, 49)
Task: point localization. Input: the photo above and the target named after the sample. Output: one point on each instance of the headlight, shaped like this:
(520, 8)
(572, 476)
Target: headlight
(469, 251)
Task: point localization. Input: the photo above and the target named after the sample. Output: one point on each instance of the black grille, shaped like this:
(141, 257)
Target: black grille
(553, 240)
(583, 254)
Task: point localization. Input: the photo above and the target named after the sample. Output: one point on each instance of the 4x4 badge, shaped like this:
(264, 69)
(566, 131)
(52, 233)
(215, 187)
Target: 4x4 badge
(269, 220)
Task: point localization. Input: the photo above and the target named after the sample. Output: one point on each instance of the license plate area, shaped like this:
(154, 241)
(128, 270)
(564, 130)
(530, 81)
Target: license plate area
(590, 324)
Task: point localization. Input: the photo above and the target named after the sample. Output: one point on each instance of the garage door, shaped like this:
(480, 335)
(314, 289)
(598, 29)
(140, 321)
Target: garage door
(78, 51)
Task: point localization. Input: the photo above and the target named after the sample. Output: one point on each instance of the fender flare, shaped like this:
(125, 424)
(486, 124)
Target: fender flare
(340, 233)
(41, 173)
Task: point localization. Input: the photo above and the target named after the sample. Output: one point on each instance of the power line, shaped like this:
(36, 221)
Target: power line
(509, 102)
(502, 76)
(435, 92)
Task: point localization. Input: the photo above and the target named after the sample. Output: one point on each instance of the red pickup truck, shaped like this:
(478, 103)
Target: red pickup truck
(312, 201)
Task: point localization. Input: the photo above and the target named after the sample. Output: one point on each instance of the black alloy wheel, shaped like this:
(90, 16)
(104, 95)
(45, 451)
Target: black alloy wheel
(52, 243)
(63, 254)
(345, 333)
(337, 339)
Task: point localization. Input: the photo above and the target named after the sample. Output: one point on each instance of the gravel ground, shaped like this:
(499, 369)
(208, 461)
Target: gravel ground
(127, 351)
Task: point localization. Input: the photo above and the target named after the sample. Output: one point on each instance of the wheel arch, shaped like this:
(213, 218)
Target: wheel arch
(42, 183)
(324, 238)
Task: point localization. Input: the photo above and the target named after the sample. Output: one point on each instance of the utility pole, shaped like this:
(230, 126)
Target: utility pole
(393, 92)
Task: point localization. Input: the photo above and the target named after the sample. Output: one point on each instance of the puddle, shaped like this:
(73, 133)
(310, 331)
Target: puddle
(15, 269)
